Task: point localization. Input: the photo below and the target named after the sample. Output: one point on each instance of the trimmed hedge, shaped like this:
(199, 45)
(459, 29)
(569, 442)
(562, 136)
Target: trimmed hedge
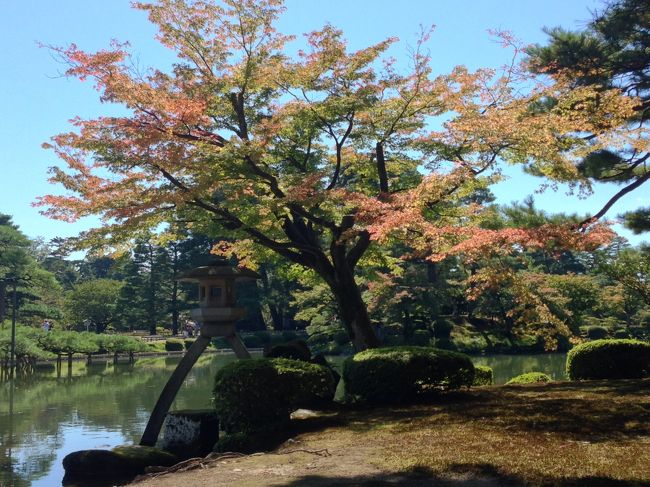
(173, 345)
(295, 350)
(483, 375)
(398, 374)
(609, 359)
(530, 378)
(259, 395)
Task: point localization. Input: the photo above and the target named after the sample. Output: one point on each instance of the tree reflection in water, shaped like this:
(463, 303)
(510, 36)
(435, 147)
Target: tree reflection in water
(50, 413)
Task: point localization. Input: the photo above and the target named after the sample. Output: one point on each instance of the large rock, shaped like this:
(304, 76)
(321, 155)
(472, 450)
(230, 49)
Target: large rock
(120, 463)
(190, 433)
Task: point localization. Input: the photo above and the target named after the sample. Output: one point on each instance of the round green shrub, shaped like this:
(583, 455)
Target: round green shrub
(259, 394)
(621, 333)
(442, 328)
(530, 378)
(398, 374)
(597, 332)
(295, 350)
(483, 375)
(609, 359)
(173, 345)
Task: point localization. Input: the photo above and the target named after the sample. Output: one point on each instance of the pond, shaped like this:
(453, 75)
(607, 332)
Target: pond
(506, 367)
(47, 415)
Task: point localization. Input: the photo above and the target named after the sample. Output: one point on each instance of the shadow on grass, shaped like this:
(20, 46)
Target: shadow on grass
(593, 411)
(460, 476)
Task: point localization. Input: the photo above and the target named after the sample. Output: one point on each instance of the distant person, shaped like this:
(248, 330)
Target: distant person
(47, 326)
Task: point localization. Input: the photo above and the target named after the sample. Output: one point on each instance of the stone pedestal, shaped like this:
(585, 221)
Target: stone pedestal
(190, 433)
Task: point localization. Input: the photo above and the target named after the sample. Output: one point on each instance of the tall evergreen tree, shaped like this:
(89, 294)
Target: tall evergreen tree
(611, 52)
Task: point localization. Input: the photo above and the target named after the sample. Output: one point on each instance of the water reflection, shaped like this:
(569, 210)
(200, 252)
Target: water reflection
(46, 415)
(506, 367)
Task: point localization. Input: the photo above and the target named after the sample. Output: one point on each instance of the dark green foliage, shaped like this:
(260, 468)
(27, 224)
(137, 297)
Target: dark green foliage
(288, 336)
(621, 333)
(399, 374)
(597, 332)
(220, 342)
(421, 338)
(483, 375)
(442, 328)
(173, 345)
(259, 394)
(638, 220)
(264, 336)
(295, 350)
(609, 359)
(252, 341)
(529, 378)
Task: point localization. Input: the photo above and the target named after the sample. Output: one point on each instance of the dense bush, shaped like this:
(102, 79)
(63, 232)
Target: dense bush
(609, 359)
(295, 350)
(174, 345)
(397, 374)
(621, 333)
(259, 394)
(483, 375)
(421, 338)
(597, 332)
(252, 341)
(529, 378)
(289, 335)
(442, 328)
(264, 336)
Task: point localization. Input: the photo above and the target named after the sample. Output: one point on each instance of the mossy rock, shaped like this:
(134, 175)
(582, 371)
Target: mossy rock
(530, 378)
(120, 462)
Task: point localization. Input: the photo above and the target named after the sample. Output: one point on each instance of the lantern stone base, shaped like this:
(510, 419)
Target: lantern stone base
(190, 433)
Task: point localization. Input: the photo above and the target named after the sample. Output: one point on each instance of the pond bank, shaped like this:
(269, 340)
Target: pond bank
(562, 433)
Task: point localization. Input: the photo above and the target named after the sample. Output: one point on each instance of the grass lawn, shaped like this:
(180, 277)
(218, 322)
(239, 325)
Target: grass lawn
(563, 433)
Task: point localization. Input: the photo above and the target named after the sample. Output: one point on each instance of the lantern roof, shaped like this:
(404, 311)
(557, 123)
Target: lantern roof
(217, 268)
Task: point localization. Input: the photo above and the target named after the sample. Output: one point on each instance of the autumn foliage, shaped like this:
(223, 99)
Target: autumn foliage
(319, 156)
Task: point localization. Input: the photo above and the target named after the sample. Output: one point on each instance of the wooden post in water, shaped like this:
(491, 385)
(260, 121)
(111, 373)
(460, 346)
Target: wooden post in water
(217, 315)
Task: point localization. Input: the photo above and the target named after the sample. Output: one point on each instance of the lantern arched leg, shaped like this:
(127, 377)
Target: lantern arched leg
(160, 410)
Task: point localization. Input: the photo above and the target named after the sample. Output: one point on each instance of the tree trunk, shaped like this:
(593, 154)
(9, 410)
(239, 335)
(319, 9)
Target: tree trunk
(3, 300)
(174, 296)
(276, 317)
(354, 313)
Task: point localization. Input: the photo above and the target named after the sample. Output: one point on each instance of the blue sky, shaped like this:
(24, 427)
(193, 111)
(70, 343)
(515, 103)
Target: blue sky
(37, 102)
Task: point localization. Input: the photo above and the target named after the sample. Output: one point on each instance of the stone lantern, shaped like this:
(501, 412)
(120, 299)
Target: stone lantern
(216, 316)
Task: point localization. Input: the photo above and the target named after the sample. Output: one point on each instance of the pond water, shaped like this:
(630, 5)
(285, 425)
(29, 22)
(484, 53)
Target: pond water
(49, 414)
(505, 367)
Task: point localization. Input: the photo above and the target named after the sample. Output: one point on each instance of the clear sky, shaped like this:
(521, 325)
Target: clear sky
(36, 102)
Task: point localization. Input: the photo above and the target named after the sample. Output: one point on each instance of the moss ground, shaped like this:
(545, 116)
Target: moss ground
(563, 433)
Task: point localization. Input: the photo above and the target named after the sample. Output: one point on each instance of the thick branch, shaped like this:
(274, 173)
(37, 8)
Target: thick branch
(616, 197)
(381, 168)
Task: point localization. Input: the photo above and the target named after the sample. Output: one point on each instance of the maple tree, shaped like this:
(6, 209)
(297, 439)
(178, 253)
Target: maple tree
(315, 157)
